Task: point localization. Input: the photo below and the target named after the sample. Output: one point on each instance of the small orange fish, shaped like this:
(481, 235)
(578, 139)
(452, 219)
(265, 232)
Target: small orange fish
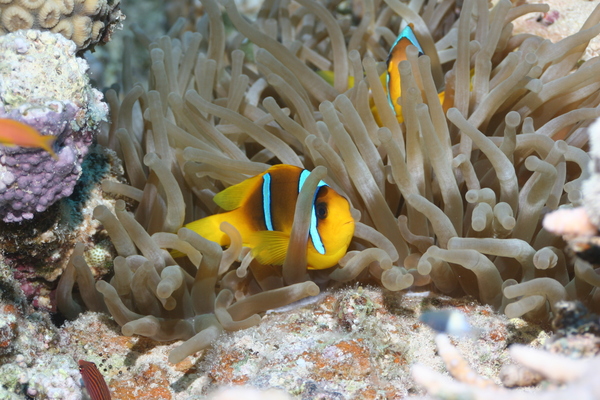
(262, 209)
(15, 133)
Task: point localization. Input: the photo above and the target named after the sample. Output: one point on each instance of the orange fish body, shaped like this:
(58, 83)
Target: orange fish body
(390, 80)
(15, 133)
(262, 209)
(396, 56)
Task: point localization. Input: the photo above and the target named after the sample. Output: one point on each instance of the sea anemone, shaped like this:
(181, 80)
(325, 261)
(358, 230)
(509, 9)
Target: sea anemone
(451, 202)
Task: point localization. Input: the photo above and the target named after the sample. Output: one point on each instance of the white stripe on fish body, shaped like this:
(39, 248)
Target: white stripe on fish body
(313, 232)
(266, 201)
(268, 218)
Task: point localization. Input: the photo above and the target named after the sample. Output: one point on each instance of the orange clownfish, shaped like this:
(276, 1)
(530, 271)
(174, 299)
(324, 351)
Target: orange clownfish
(15, 133)
(396, 56)
(391, 79)
(262, 209)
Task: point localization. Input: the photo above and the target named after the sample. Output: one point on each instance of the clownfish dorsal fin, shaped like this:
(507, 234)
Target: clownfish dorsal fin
(406, 37)
(233, 197)
(269, 247)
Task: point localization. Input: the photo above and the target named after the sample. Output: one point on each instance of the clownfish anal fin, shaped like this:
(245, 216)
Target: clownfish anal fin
(269, 247)
(233, 197)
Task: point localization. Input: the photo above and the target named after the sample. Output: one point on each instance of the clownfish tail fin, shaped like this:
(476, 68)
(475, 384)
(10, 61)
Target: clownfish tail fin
(209, 229)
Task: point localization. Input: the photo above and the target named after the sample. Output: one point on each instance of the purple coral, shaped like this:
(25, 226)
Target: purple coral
(44, 85)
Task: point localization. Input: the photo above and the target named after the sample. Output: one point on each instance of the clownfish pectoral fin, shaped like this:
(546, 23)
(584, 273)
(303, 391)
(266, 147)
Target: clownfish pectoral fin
(269, 247)
(232, 197)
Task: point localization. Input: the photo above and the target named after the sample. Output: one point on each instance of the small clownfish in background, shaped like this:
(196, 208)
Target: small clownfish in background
(262, 209)
(398, 54)
(94, 381)
(395, 57)
(391, 79)
(15, 133)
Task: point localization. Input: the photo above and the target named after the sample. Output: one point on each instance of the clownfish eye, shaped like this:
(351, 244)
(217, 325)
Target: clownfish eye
(321, 210)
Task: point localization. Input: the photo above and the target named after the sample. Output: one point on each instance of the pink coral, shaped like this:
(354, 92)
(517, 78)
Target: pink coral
(570, 221)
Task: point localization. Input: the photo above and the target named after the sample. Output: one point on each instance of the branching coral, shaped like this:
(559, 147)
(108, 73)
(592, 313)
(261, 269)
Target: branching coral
(453, 201)
(577, 376)
(85, 22)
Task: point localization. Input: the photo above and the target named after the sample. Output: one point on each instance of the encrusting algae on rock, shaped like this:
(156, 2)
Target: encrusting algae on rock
(62, 105)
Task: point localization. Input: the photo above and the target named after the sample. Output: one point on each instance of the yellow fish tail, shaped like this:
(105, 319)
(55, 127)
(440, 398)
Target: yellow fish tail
(210, 228)
(46, 143)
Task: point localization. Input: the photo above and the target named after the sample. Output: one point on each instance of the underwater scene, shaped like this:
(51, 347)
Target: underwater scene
(299, 199)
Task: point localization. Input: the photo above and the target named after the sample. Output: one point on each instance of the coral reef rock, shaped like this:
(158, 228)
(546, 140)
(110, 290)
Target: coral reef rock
(304, 349)
(86, 23)
(577, 331)
(30, 362)
(44, 85)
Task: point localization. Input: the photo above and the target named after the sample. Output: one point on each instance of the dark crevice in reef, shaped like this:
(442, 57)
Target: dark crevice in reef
(29, 229)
